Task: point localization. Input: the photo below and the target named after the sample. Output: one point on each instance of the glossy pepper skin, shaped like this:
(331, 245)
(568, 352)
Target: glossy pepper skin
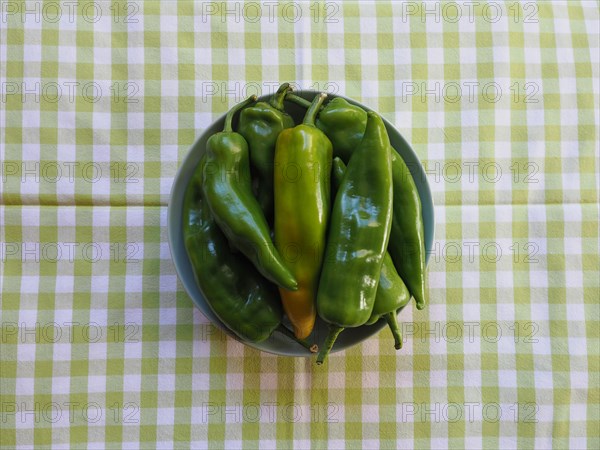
(358, 235)
(228, 193)
(302, 205)
(344, 123)
(392, 294)
(238, 295)
(260, 125)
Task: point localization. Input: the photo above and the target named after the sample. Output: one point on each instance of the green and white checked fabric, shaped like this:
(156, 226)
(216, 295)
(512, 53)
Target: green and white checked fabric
(100, 347)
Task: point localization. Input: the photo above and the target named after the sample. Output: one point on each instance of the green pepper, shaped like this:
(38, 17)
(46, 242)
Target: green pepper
(360, 224)
(333, 120)
(260, 125)
(344, 124)
(242, 299)
(407, 238)
(392, 294)
(302, 204)
(239, 296)
(228, 191)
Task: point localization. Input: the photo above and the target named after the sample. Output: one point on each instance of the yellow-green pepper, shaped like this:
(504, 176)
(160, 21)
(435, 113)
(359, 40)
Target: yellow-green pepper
(302, 205)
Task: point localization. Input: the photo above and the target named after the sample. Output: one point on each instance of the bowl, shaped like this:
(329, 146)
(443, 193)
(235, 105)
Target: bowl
(277, 343)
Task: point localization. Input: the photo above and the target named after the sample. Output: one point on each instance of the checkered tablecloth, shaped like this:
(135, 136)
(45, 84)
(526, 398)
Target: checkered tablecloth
(100, 347)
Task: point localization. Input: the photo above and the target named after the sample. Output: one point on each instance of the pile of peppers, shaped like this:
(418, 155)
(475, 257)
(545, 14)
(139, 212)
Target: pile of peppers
(286, 224)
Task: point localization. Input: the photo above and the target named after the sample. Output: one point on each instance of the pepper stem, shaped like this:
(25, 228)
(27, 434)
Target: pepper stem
(392, 321)
(229, 117)
(334, 332)
(311, 114)
(279, 96)
(297, 100)
(313, 348)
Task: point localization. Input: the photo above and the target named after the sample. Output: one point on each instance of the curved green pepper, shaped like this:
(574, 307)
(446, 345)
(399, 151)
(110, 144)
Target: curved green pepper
(227, 281)
(344, 125)
(361, 219)
(228, 192)
(392, 294)
(260, 125)
(407, 238)
(302, 200)
(239, 296)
